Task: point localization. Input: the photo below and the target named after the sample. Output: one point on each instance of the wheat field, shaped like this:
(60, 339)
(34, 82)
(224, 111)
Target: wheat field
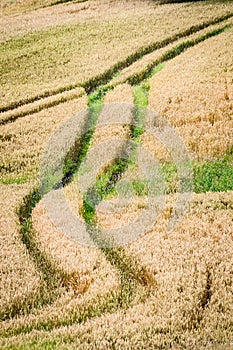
(116, 158)
(199, 104)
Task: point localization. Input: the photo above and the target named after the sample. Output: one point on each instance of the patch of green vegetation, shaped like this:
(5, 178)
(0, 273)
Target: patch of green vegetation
(215, 176)
(8, 180)
(140, 187)
(97, 97)
(209, 176)
(140, 93)
(117, 74)
(104, 186)
(156, 69)
(170, 176)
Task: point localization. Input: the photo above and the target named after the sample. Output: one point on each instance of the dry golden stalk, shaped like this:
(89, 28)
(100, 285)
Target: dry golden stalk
(86, 267)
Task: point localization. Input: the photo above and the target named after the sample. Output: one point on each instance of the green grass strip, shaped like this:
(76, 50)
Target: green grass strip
(209, 176)
(10, 180)
(140, 93)
(79, 151)
(103, 186)
(214, 176)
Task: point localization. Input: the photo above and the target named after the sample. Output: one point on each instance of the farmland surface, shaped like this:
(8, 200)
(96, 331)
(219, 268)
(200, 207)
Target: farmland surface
(115, 70)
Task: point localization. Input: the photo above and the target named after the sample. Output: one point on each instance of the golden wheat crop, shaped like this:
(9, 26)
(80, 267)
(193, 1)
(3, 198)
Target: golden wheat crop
(9, 6)
(191, 304)
(172, 286)
(119, 213)
(194, 92)
(152, 59)
(71, 13)
(86, 267)
(115, 117)
(33, 107)
(57, 61)
(18, 277)
(23, 141)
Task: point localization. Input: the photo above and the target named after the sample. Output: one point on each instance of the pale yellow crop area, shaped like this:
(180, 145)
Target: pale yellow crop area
(23, 141)
(191, 302)
(194, 92)
(19, 278)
